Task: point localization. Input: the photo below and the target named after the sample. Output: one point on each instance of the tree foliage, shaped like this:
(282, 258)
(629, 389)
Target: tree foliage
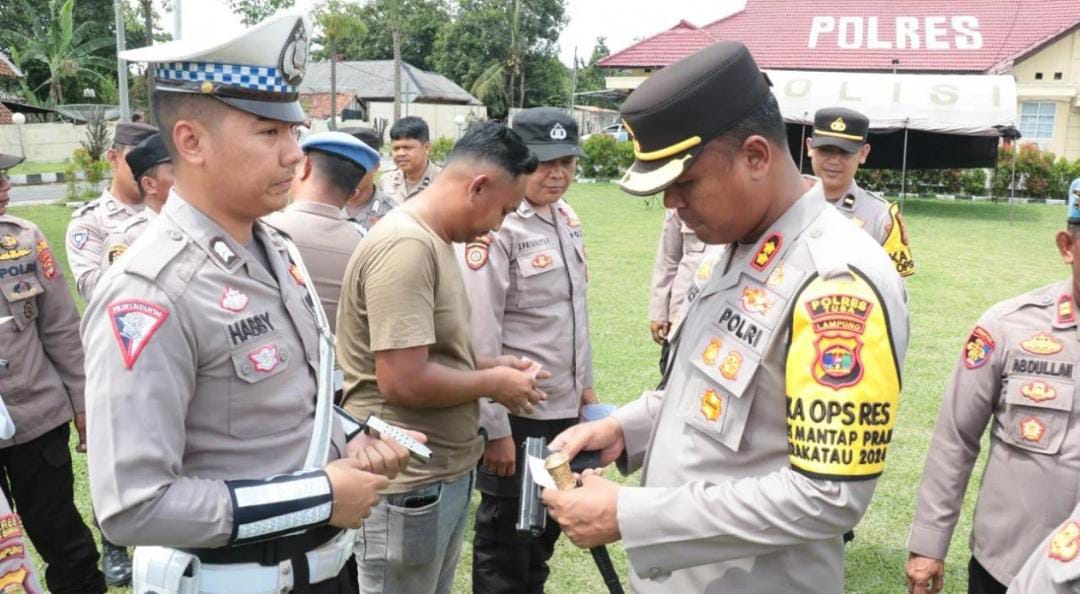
(252, 12)
(420, 22)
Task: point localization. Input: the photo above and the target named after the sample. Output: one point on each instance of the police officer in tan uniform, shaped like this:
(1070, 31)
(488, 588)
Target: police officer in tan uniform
(410, 147)
(677, 259)
(92, 223)
(41, 383)
(151, 167)
(368, 204)
(1016, 371)
(213, 445)
(527, 284)
(1054, 565)
(837, 148)
(764, 443)
(334, 162)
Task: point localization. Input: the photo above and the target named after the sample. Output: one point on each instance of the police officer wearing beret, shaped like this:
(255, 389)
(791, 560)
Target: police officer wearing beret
(333, 165)
(764, 443)
(1016, 371)
(527, 284)
(213, 443)
(837, 148)
(151, 168)
(92, 223)
(368, 204)
(41, 382)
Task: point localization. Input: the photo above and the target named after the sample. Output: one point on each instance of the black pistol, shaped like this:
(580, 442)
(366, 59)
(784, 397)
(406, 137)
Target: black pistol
(532, 515)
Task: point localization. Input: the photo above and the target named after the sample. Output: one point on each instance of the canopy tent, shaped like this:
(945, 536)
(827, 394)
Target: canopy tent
(917, 121)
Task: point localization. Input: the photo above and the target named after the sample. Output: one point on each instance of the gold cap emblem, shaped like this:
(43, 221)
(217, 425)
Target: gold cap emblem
(838, 125)
(207, 87)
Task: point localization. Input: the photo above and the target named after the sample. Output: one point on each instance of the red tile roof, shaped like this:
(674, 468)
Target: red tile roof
(966, 35)
(317, 105)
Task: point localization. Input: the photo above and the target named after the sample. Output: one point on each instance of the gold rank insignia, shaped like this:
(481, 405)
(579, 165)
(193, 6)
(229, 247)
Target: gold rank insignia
(476, 252)
(115, 252)
(1066, 543)
(11, 248)
(1042, 344)
(838, 125)
(1032, 429)
(768, 250)
(712, 351)
(755, 300)
(1065, 313)
(731, 365)
(8, 242)
(1038, 391)
(542, 261)
(711, 405)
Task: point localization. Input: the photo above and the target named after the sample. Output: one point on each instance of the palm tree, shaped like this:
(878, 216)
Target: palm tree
(492, 81)
(66, 50)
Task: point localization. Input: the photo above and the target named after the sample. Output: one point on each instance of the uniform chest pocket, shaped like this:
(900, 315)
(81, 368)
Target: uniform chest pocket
(540, 278)
(257, 406)
(1036, 413)
(719, 396)
(20, 296)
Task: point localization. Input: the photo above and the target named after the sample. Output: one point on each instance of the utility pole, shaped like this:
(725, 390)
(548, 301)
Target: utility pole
(573, 82)
(121, 65)
(148, 22)
(333, 82)
(395, 33)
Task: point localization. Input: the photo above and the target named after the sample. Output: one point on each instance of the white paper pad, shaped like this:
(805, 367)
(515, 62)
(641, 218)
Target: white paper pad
(540, 474)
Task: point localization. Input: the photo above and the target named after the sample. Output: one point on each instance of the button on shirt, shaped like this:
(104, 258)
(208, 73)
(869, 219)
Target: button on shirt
(89, 226)
(202, 370)
(394, 184)
(1017, 372)
(41, 358)
(527, 284)
(736, 496)
(326, 239)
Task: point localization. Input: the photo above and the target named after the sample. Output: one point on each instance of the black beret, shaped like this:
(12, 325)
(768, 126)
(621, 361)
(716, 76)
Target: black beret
(132, 133)
(146, 154)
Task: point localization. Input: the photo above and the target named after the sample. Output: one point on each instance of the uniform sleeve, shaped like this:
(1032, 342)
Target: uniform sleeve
(896, 242)
(968, 404)
(636, 420)
(1054, 565)
(58, 324)
(85, 245)
(822, 494)
(399, 291)
(485, 266)
(666, 266)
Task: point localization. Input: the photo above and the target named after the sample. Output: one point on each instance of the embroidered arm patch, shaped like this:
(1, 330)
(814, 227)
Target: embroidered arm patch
(843, 383)
(896, 243)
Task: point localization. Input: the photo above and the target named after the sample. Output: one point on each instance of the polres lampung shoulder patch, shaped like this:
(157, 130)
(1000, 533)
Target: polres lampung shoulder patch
(842, 380)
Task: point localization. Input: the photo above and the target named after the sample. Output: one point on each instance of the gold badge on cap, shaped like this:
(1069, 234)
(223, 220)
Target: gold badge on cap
(294, 56)
(838, 125)
(207, 87)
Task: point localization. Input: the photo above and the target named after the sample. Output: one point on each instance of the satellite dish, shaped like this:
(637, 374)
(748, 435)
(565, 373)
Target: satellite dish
(86, 112)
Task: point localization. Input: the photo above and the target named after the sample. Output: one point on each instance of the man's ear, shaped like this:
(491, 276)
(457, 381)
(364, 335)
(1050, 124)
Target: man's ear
(478, 185)
(756, 154)
(1066, 245)
(193, 142)
(306, 169)
(148, 184)
(864, 152)
(112, 156)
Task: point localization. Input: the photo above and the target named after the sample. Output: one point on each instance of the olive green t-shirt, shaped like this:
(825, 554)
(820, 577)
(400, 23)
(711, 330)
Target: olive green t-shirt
(403, 289)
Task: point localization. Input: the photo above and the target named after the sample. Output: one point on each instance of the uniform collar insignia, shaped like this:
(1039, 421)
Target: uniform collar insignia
(1066, 310)
(525, 209)
(849, 200)
(222, 252)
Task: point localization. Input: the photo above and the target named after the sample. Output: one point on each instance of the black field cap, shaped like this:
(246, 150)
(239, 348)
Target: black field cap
(132, 133)
(549, 132)
(683, 107)
(368, 136)
(9, 161)
(843, 128)
(148, 153)
(258, 71)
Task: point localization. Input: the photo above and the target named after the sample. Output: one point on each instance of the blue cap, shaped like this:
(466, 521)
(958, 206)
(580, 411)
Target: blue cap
(1074, 202)
(342, 145)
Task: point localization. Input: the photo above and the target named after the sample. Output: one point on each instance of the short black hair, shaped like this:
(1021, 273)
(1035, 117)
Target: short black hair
(410, 128)
(496, 144)
(765, 120)
(170, 107)
(342, 174)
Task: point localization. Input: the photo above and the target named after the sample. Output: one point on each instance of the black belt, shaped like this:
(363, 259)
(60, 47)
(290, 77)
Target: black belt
(270, 552)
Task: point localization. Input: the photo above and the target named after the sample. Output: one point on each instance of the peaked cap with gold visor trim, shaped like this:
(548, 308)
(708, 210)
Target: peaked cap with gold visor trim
(846, 129)
(681, 108)
(258, 71)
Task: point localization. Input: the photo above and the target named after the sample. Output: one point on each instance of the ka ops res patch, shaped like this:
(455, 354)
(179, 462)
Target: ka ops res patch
(843, 382)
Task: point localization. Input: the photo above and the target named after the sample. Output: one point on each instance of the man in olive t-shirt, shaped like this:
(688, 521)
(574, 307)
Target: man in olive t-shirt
(404, 345)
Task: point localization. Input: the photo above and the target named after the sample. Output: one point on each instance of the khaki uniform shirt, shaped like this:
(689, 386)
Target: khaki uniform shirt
(369, 213)
(1017, 372)
(1054, 566)
(393, 183)
(527, 285)
(326, 239)
(764, 446)
(120, 239)
(882, 221)
(677, 259)
(41, 358)
(90, 225)
(403, 289)
(201, 369)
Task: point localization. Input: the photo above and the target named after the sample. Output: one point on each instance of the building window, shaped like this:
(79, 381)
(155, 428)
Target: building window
(1057, 76)
(1037, 119)
(1038, 76)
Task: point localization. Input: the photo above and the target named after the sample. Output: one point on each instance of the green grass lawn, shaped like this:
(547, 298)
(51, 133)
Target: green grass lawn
(27, 167)
(968, 256)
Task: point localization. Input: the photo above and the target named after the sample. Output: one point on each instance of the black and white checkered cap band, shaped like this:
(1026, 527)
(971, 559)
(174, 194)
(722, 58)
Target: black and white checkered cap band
(252, 78)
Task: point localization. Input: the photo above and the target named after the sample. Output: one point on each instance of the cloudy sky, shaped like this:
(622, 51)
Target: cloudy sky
(620, 21)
